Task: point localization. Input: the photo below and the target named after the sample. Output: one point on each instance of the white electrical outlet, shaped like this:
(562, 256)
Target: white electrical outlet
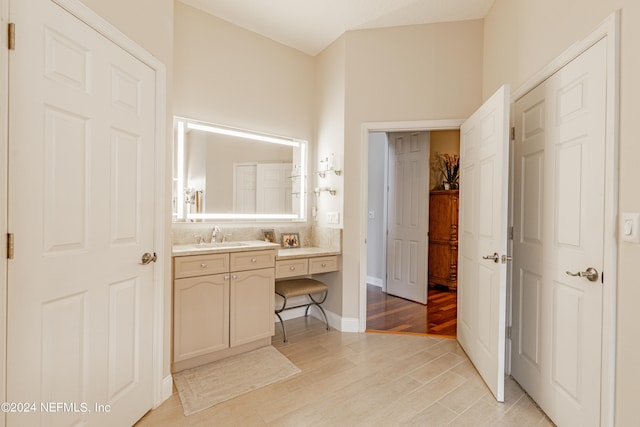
(630, 227)
(333, 217)
(372, 214)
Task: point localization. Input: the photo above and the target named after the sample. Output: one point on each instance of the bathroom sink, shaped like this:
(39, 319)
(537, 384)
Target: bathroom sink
(221, 246)
(218, 245)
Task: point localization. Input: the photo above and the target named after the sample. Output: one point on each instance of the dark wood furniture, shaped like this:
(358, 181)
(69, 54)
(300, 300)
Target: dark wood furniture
(443, 238)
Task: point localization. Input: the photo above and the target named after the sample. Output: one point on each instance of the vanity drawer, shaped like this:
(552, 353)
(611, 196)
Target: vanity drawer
(323, 264)
(292, 267)
(252, 260)
(200, 265)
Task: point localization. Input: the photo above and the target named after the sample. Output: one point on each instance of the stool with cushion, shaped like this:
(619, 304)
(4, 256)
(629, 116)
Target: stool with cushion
(296, 287)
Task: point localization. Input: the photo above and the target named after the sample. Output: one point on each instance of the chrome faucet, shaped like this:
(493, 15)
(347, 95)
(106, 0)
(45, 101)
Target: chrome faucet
(214, 233)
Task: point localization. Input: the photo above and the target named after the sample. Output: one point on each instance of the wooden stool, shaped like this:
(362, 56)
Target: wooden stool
(296, 287)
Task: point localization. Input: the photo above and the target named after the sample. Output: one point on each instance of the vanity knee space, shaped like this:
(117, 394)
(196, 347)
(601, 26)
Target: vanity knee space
(306, 262)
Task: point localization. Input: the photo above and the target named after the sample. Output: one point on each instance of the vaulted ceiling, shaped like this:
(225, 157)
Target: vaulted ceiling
(312, 25)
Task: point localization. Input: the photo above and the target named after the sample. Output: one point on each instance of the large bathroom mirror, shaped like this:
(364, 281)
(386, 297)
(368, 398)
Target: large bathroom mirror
(236, 174)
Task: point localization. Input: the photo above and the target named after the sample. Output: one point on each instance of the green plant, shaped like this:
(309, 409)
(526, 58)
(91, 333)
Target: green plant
(449, 167)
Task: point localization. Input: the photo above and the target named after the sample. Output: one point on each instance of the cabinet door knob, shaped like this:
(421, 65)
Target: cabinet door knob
(253, 260)
(324, 264)
(293, 267)
(203, 265)
(226, 277)
(233, 276)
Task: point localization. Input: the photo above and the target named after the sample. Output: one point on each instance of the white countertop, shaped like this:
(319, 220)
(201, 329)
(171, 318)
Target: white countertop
(209, 248)
(292, 253)
(249, 245)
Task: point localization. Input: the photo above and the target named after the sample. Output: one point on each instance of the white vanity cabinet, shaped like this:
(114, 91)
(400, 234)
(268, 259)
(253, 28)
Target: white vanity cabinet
(252, 296)
(223, 305)
(201, 316)
(304, 264)
(251, 306)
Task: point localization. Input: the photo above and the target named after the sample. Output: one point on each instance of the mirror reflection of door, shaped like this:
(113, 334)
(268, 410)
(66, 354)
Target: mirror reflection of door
(225, 173)
(263, 188)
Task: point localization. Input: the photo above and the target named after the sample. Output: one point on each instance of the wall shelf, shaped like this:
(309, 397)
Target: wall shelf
(324, 173)
(319, 190)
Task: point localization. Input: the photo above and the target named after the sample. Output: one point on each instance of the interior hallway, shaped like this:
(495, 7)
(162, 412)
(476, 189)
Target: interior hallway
(392, 314)
(365, 379)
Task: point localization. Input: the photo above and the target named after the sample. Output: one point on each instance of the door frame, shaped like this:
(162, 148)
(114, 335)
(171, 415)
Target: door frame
(161, 385)
(391, 126)
(4, 197)
(609, 29)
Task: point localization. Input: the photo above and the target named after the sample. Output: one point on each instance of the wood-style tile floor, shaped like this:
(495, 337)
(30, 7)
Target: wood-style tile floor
(365, 379)
(392, 314)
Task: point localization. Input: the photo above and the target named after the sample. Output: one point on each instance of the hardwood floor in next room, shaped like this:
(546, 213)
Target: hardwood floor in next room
(392, 314)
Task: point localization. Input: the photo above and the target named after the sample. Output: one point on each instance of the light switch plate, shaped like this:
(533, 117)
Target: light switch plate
(333, 217)
(630, 227)
(372, 215)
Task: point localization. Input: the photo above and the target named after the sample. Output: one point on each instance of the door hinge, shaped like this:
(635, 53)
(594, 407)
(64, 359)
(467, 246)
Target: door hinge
(509, 332)
(513, 133)
(9, 245)
(11, 36)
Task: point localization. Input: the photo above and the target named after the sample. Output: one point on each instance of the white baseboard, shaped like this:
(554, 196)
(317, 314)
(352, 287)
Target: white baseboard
(350, 324)
(167, 387)
(294, 313)
(375, 281)
(337, 322)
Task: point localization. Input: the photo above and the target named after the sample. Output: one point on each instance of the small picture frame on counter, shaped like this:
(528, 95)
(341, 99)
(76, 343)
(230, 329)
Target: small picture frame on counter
(269, 235)
(290, 240)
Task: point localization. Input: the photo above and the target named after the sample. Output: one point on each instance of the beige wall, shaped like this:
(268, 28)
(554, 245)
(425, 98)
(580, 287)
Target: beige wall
(147, 22)
(421, 72)
(521, 37)
(330, 92)
(442, 142)
(330, 98)
(227, 75)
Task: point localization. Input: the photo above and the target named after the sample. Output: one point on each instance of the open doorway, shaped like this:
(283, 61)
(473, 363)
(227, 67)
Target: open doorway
(386, 312)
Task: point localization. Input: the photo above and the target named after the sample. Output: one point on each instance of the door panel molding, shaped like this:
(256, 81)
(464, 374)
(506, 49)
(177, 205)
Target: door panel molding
(161, 387)
(609, 29)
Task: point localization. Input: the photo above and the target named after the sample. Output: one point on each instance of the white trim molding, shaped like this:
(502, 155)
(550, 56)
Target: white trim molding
(4, 197)
(375, 281)
(367, 127)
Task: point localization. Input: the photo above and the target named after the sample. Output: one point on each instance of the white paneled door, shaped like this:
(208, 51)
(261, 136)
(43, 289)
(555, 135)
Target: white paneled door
(482, 272)
(273, 188)
(81, 207)
(407, 216)
(558, 232)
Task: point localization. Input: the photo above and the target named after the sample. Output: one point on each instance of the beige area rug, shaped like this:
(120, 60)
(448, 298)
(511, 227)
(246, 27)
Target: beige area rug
(205, 386)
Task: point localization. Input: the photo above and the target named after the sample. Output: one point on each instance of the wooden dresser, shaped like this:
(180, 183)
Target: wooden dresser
(443, 238)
